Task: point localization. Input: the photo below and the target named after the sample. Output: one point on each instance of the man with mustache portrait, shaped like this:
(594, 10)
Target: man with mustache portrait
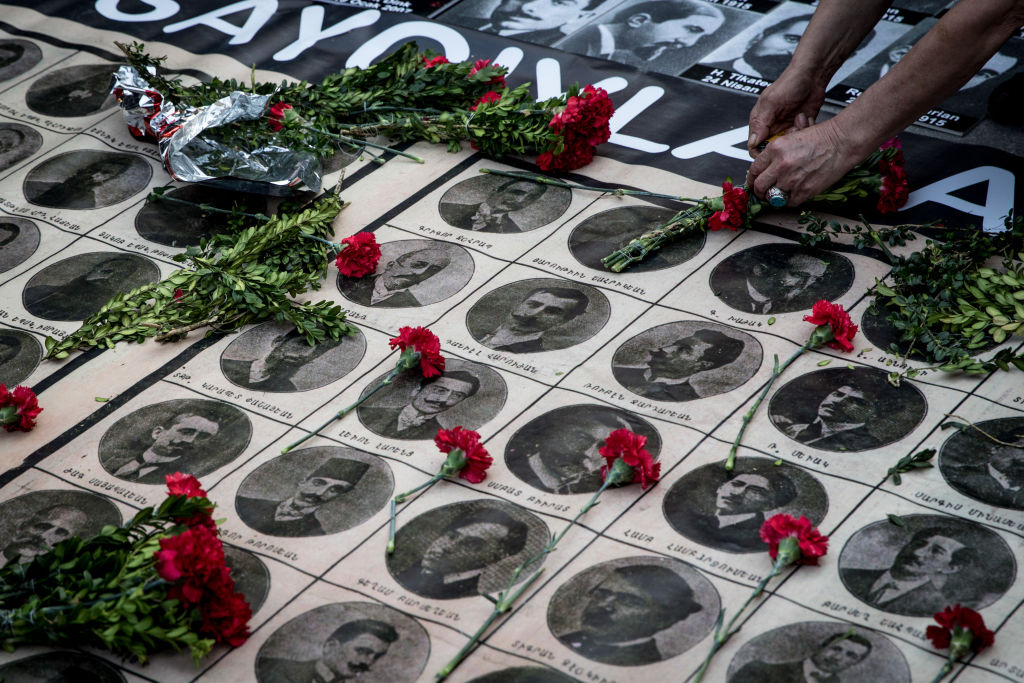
(172, 445)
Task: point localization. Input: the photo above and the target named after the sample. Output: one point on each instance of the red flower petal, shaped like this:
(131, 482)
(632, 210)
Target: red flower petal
(833, 315)
(26, 407)
(812, 543)
(629, 447)
(424, 342)
(478, 460)
(360, 255)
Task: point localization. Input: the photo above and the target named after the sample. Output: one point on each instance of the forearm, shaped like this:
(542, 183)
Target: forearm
(835, 31)
(942, 60)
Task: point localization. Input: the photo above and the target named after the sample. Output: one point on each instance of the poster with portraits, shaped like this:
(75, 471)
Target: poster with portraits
(547, 352)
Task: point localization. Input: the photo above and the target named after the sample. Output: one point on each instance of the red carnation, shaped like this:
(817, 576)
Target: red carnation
(581, 125)
(360, 255)
(189, 560)
(479, 64)
(276, 115)
(811, 543)
(840, 329)
(18, 408)
(961, 624)
(894, 188)
(488, 97)
(225, 612)
(178, 294)
(423, 342)
(734, 208)
(624, 445)
(477, 459)
(434, 61)
(179, 484)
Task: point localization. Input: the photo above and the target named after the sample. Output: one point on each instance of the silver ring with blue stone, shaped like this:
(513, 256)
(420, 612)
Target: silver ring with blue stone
(776, 197)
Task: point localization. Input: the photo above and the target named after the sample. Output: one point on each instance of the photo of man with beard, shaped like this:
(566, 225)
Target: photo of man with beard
(411, 273)
(419, 418)
(495, 204)
(986, 470)
(76, 287)
(541, 22)
(769, 52)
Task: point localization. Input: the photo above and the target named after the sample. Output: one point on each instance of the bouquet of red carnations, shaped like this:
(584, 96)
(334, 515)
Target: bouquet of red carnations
(159, 582)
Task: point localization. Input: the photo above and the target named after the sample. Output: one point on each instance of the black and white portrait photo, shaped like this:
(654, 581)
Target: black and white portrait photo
(843, 409)
(780, 278)
(181, 225)
(345, 641)
(34, 522)
(19, 239)
(650, 35)
(411, 273)
(633, 610)
(765, 48)
(189, 435)
(17, 142)
(20, 354)
(684, 361)
(76, 287)
(539, 314)
(930, 562)
(465, 549)
(988, 470)
(60, 666)
(17, 56)
(72, 91)
(524, 674)
(541, 22)
(493, 203)
(86, 179)
(314, 492)
(818, 652)
(276, 357)
(251, 577)
(605, 232)
(468, 394)
(725, 510)
(559, 451)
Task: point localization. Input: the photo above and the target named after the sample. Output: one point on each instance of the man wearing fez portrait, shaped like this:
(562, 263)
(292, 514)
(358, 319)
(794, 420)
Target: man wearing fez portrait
(296, 515)
(389, 288)
(836, 653)
(451, 565)
(289, 353)
(42, 530)
(841, 423)
(431, 399)
(494, 213)
(173, 446)
(640, 33)
(542, 309)
(349, 652)
(669, 368)
(623, 612)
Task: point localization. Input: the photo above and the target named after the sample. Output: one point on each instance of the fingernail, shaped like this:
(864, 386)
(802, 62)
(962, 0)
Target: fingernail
(751, 140)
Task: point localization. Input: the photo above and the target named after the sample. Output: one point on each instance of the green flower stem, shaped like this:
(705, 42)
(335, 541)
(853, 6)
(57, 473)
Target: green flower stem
(358, 142)
(777, 370)
(684, 222)
(544, 180)
(945, 670)
(207, 207)
(345, 411)
(333, 245)
(400, 498)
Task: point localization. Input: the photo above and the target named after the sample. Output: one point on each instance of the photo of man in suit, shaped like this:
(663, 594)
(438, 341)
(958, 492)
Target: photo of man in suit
(768, 53)
(419, 418)
(841, 423)
(541, 22)
(776, 278)
(523, 327)
(989, 471)
(296, 514)
(181, 438)
(451, 565)
(639, 33)
(390, 286)
(624, 611)
(495, 212)
(836, 654)
(669, 367)
(57, 292)
(740, 506)
(44, 529)
(289, 353)
(350, 651)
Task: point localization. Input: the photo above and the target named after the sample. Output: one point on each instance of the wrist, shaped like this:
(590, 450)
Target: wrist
(853, 142)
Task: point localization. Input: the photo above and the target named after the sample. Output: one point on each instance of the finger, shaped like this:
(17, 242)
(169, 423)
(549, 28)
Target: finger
(760, 175)
(760, 129)
(801, 121)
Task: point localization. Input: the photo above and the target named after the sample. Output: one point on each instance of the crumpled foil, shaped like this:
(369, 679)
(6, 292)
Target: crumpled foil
(191, 156)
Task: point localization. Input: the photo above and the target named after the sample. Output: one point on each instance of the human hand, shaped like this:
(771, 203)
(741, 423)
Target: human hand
(803, 163)
(791, 102)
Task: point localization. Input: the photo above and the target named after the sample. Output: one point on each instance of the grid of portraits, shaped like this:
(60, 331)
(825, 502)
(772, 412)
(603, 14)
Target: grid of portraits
(547, 353)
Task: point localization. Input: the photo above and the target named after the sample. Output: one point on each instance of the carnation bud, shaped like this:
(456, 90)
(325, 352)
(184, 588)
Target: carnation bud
(789, 552)
(455, 462)
(620, 473)
(822, 335)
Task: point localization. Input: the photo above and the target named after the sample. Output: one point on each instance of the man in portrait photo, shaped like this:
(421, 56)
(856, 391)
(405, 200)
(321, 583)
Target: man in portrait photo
(842, 421)
(78, 297)
(542, 22)
(72, 91)
(349, 652)
(779, 286)
(642, 32)
(17, 142)
(10, 346)
(289, 353)
(431, 399)
(297, 513)
(740, 506)
(836, 654)
(88, 187)
(930, 571)
(451, 565)
(768, 53)
(668, 369)
(996, 478)
(624, 612)
(494, 213)
(42, 530)
(173, 446)
(389, 287)
(542, 309)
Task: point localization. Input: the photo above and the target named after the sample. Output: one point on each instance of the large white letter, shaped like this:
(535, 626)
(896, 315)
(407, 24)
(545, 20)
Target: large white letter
(162, 9)
(630, 110)
(998, 197)
(311, 30)
(717, 144)
(261, 11)
(454, 45)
